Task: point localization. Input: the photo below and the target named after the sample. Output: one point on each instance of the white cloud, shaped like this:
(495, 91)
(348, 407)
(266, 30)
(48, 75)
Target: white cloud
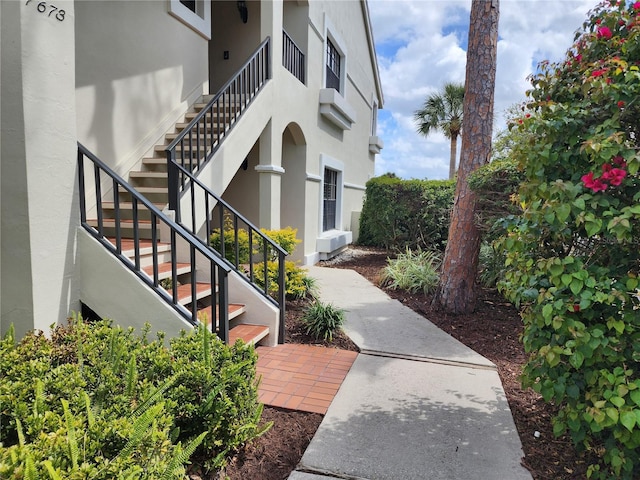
(421, 45)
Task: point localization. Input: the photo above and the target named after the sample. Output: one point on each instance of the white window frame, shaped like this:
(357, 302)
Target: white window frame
(329, 162)
(374, 118)
(199, 21)
(331, 33)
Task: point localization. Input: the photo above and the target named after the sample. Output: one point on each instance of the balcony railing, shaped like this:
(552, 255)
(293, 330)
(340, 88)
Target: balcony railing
(292, 57)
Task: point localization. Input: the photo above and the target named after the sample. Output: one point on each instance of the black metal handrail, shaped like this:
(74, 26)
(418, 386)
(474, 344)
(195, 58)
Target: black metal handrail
(195, 146)
(199, 254)
(202, 137)
(292, 57)
(262, 249)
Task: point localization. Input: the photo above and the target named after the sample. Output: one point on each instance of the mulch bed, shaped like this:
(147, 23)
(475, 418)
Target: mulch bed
(493, 330)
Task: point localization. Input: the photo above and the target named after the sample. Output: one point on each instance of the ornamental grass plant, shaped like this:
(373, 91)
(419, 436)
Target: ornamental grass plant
(413, 271)
(323, 320)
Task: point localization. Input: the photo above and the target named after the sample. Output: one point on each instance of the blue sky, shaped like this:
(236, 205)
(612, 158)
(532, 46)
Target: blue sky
(421, 45)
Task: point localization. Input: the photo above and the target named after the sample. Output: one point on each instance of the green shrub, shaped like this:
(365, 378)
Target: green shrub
(297, 283)
(413, 271)
(87, 387)
(322, 320)
(572, 256)
(495, 185)
(285, 237)
(244, 250)
(399, 214)
(490, 265)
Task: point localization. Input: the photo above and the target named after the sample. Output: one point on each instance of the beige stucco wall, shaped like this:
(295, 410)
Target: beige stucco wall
(38, 154)
(349, 147)
(231, 35)
(138, 68)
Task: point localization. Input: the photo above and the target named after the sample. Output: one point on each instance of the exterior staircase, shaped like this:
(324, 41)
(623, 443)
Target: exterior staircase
(137, 227)
(152, 181)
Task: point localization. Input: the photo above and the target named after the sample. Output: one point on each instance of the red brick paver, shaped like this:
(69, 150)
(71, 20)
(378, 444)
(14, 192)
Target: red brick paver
(302, 377)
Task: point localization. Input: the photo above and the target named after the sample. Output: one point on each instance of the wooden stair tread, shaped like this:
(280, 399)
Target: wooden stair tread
(129, 205)
(146, 246)
(124, 223)
(184, 292)
(234, 310)
(164, 269)
(147, 189)
(146, 174)
(248, 333)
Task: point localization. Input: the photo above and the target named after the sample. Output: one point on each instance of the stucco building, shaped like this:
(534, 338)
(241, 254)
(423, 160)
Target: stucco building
(290, 91)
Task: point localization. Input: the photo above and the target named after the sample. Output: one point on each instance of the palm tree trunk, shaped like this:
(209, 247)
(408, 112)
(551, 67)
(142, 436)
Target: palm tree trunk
(456, 292)
(452, 156)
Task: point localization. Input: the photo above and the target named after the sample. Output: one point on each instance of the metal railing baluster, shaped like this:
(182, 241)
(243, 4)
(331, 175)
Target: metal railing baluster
(176, 230)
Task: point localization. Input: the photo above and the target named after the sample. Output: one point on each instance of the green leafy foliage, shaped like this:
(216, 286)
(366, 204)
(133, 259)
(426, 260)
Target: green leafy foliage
(495, 185)
(573, 255)
(399, 214)
(323, 320)
(297, 283)
(491, 265)
(285, 237)
(228, 233)
(97, 401)
(413, 271)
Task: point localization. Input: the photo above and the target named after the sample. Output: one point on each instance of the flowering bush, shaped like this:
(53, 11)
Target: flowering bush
(573, 255)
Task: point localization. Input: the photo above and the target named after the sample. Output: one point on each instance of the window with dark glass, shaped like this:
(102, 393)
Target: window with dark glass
(333, 66)
(330, 199)
(190, 4)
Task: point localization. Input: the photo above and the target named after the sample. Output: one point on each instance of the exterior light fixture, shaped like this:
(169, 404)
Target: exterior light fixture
(242, 8)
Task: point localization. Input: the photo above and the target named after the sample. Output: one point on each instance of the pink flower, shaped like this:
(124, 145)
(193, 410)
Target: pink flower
(594, 184)
(613, 175)
(578, 57)
(636, 6)
(604, 32)
(598, 73)
(618, 160)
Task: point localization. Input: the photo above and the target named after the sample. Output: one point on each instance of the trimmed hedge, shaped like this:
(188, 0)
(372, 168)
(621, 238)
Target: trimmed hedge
(399, 214)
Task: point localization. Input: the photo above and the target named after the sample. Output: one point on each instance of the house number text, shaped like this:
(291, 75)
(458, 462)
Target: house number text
(48, 9)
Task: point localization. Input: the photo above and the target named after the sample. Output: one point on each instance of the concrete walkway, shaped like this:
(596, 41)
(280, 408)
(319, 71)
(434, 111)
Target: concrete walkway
(416, 404)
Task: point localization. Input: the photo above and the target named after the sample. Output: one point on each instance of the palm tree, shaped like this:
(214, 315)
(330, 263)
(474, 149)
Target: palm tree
(443, 111)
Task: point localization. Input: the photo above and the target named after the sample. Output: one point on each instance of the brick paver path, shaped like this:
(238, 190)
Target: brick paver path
(302, 377)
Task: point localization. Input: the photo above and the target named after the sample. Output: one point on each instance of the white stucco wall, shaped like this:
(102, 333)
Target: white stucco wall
(138, 69)
(346, 21)
(39, 188)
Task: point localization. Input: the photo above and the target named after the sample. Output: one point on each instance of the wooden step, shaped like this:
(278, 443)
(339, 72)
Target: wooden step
(145, 246)
(129, 205)
(194, 150)
(143, 225)
(164, 270)
(126, 210)
(170, 137)
(184, 292)
(145, 174)
(217, 126)
(155, 162)
(248, 333)
(234, 309)
(147, 190)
